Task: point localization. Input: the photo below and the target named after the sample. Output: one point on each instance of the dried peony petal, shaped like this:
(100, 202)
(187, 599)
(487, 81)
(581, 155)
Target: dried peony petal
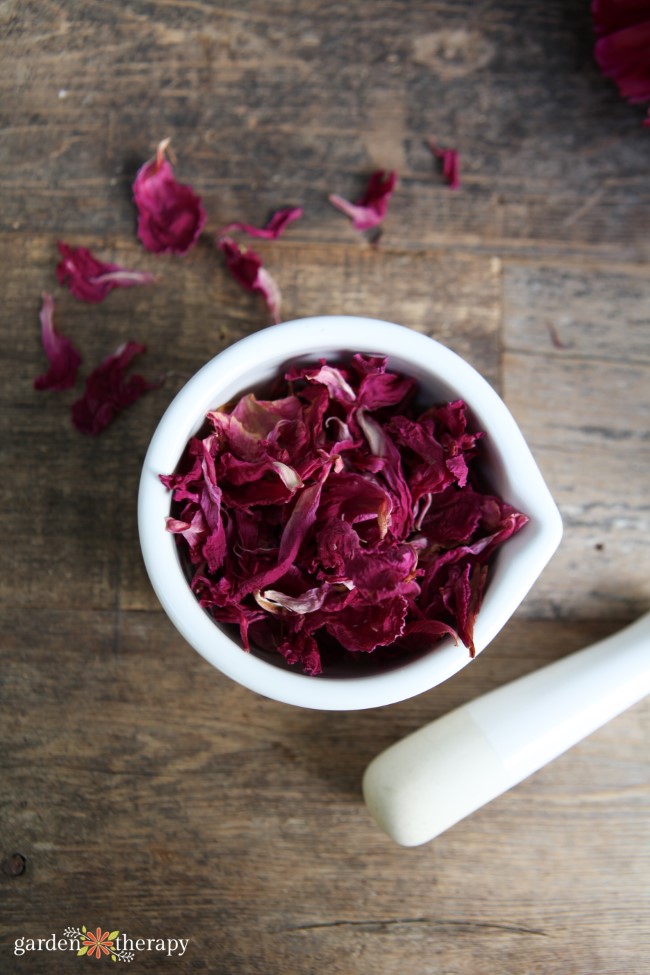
(450, 159)
(339, 518)
(170, 214)
(622, 48)
(370, 210)
(62, 356)
(108, 392)
(247, 268)
(272, 230)
(91, 280)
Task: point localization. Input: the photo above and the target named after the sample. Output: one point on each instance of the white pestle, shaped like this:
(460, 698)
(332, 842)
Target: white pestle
(430, 780)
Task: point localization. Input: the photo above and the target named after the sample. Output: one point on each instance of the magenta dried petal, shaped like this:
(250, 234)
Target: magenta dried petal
(363, 626)
(242, 616)
(390, 468)
(298, 524)
(62, 356)
(376, 573)
(170, 214)
(272, 230)
(91, 280)
(421, 634)
(371, 209)
(622, 49)
(380, 389)
(186, 484)
(248, 270)
(302, 649)
(450, 159)
(108, 392)
(333, 379)
(429, 472)
(463, 595)
(262, 482)
(350, 497)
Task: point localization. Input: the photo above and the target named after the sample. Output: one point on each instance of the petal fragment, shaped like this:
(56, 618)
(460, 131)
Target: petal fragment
(62, 356)
(371, 209)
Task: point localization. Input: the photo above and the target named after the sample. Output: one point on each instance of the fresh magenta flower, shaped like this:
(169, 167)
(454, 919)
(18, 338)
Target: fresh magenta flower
(371, 209)
(61, 354)
(622, 49)
(170, 214)
(450, 159)
(91, 280)
(340, 520)
(108, 391)
(248, 270)
(272, 230)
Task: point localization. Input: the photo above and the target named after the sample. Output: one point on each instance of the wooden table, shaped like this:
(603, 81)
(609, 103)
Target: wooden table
(144, 792)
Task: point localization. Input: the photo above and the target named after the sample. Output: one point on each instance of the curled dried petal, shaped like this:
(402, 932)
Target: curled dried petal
(450, 159)
(248, 270)
(371, 209)
(170, 214)
(272, 230)
(91, 280)
(62, 356)
(108, 391)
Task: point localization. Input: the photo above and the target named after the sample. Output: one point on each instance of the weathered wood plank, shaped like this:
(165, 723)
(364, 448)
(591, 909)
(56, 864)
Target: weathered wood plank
(585, 408)
(285, 104)
(191, 787)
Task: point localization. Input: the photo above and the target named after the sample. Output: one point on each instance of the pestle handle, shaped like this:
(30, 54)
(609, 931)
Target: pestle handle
(430, 780)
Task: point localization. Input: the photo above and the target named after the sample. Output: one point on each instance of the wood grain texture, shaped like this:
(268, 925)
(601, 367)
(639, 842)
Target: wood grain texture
(143, 791)
(576, 358)
(246, 92)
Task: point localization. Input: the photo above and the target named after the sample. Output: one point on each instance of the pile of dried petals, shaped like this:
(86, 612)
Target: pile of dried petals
(338, 520)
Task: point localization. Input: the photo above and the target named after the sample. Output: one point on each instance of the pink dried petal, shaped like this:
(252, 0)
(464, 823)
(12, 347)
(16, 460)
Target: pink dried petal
(450, 159)
(370, 210)
(170, 214)
(108, 392)
(272, 230)
(194, 532)
(248, 270)
(91, 280)
(329, 376)
(308, 602)
(62, 356)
